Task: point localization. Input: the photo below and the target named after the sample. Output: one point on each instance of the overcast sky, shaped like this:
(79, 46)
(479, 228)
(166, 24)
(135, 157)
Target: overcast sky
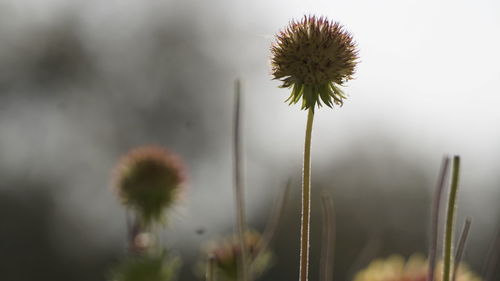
(427, 84)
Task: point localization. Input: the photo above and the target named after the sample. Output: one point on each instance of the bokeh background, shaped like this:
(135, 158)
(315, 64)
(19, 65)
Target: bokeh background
(82, 82)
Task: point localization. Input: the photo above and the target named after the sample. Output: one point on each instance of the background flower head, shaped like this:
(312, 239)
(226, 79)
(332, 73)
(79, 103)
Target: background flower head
(149, 180)
(226, 255)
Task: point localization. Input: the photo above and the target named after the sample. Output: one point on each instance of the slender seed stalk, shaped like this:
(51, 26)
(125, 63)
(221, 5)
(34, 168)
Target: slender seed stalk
(238, 185)
(328, 243)
(306, 200)
(443, 175)
(275, 218)
(450, 216)
(461, 246)
(492, 258)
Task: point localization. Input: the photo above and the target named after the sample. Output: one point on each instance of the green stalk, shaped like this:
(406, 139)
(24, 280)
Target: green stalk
(238, 187)
(461, 246)
(210, 274)
(327, 250)
(436, 211)
(306, 201)
(450, 216)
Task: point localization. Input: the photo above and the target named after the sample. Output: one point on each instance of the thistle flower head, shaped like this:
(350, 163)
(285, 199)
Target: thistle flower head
(226, 255)
(395, 268)
(314, 57)
(149, 180)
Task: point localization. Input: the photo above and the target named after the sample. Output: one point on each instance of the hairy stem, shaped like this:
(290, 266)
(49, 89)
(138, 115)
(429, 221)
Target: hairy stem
(450, 216)
(306, 201)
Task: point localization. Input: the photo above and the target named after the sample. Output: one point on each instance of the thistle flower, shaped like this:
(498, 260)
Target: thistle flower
(315, 57)
(395, 268)
(149, 180)
(226, 255)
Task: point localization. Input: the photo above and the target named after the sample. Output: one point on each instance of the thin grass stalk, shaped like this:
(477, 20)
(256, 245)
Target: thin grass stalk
(367, 254)
(275, 218)
(238, 184)
(328, 245)
(443, 175)
(210, 274)
(492, 258)
(306, 201)
(450, 217)
(461, 246)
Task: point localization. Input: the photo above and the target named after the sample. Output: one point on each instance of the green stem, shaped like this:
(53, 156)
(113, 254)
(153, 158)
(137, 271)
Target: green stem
(238, 188)
(327, 250)
(436, 211)
(450, 216)
(210, 274)
(461, 247)
(306, 201)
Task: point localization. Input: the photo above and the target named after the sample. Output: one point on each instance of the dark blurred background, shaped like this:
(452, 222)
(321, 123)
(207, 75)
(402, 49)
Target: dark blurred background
(82, 82)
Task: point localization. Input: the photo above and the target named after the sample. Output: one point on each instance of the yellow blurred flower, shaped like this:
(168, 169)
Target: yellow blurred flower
(395, 268)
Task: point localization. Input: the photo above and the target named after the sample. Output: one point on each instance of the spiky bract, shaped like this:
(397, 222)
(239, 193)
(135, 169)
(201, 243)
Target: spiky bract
(315, 57)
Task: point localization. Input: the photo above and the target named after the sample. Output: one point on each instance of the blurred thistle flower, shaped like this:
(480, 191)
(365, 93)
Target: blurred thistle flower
(395, 268)
(315, 57)
(226, 255)
(159, 267)
(149, 179)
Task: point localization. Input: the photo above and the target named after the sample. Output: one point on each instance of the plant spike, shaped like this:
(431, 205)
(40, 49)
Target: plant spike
(443, 175)
(461, 246)
(276, 216)
(450, 217)
(238, 184)
(327, 249)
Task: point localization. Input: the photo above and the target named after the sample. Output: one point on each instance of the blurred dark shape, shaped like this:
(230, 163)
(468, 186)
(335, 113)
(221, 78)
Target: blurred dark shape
(28, 250)
(62, 58)
(154, 103)
(50, 56)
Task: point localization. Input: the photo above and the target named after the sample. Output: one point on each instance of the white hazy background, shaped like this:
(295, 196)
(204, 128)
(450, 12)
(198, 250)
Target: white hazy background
(427, 85)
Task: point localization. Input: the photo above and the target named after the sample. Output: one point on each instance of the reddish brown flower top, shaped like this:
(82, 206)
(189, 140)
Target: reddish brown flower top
(149, 179)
